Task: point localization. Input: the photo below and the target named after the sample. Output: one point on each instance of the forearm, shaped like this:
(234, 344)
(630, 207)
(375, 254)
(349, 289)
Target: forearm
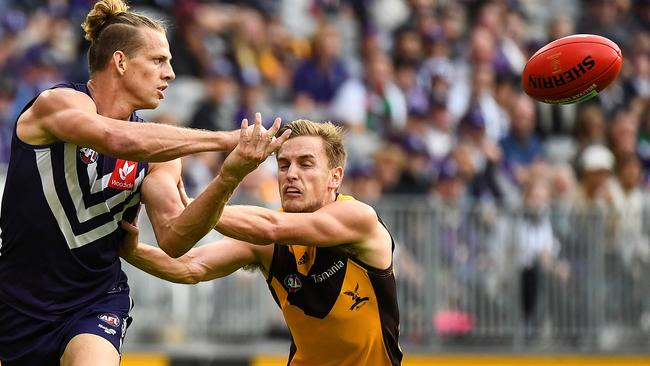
(198, 218)
(248, 223)
(155, 262)
(156, 142)
(150, 142)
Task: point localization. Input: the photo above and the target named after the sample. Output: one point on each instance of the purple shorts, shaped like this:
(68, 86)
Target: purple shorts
(27, 341)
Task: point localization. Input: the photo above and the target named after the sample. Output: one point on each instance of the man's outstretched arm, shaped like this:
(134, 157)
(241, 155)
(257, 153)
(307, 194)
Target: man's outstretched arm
(204, 263)
(340, 222)
(348, 223)
(71, 116)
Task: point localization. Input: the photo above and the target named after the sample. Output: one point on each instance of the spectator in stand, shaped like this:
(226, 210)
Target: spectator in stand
(449, 187)
(415, 179)
(595, 167)
(536, 247)
(589, 129)
(627, 199)
(186, 43)
(622, 136)
(521, 147)
(486, 156)
(37, 72)
(375, 104)
(628, 262)
(590, 233)
(389, 161)
(606, 18)
(215, 112)
(318, 78)
(253, 95)
(363, 183)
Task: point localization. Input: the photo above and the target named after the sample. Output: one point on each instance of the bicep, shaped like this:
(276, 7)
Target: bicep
(59, 115)
(71, 116)
(160, 194)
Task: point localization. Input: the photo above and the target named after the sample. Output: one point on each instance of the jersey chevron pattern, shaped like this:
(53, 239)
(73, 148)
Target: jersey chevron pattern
(340, 312)
(60, 216)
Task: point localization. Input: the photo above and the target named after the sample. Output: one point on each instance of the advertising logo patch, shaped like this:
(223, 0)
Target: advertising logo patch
(110, 319)
(88, 155)
(123, 177)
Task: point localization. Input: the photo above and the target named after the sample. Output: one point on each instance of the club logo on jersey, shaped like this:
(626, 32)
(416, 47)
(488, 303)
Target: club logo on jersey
(110, 319)
(358, 300)
(292, 282)
(88, 155)
(123, 177)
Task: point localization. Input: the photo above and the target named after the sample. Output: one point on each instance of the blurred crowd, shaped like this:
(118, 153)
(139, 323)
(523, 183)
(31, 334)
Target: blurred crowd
(429, 92)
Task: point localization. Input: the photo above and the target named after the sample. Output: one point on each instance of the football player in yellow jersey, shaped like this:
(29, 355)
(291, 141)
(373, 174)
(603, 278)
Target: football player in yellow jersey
(327, 258)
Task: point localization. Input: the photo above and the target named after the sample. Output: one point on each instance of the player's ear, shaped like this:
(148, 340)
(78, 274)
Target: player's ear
(336, 176)
(119, 61)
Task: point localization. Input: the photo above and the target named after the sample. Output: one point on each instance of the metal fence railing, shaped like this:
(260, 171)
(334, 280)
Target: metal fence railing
(509, 279)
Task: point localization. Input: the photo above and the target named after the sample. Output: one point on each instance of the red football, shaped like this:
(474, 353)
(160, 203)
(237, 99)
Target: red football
(572, 69)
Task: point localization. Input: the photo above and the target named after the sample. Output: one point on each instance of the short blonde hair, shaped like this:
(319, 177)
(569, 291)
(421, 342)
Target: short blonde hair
(331, 134)
(110, 27)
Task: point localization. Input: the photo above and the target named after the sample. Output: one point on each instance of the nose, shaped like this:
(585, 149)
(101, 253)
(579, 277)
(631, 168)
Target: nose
(292, 173)
(168, 72)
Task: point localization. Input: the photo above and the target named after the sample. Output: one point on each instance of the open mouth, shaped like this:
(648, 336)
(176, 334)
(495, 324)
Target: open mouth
(291, 191)
(161, 95)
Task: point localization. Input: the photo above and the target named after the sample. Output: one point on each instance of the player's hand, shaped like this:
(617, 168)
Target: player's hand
(232, 137)
(254, 146)
(130, 240)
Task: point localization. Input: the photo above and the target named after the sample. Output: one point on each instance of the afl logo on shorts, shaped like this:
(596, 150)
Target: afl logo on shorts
(292, 283)
(88, 155)
(110, 319)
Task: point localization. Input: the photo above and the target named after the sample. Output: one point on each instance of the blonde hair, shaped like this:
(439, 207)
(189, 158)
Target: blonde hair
(331, 134)
(110, 27)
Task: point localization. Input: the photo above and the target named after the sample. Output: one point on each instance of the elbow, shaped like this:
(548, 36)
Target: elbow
(118, 143)
(188, 280)
(270, 235)
(193, 279)
(173, 253)
(171, 250)
(184, 279)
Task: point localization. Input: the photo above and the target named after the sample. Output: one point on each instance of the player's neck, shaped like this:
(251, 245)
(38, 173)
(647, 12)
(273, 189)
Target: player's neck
(107, 97)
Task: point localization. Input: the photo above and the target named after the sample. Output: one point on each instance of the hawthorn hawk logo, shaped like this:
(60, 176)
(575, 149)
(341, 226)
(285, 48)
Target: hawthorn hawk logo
(358, 300)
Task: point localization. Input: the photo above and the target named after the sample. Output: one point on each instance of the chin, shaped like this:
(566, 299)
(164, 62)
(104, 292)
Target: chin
(153, 105)
(297, 208)
(149, 104)
(290, 208)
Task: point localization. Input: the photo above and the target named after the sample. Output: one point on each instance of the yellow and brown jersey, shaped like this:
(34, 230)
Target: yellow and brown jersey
(339, 310)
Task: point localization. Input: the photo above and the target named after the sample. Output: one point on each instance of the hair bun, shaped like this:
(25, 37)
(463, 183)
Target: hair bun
(100, 15)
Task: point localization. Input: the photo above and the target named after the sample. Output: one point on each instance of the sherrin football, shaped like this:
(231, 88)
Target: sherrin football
(572, 69)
